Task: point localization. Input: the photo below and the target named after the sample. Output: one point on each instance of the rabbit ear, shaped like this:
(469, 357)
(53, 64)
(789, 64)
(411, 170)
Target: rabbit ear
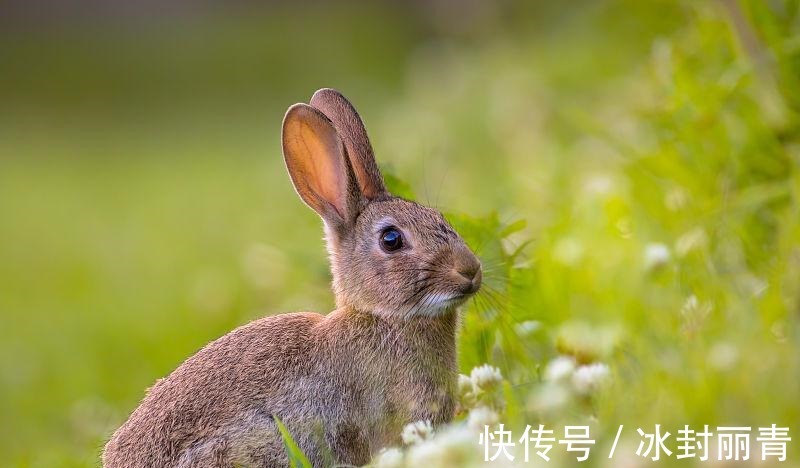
(354, 136)
(317, 165)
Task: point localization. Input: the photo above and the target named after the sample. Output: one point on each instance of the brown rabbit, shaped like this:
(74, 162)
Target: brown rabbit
(344, 384)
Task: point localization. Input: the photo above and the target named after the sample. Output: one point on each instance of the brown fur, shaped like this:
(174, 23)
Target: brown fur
(344, 384)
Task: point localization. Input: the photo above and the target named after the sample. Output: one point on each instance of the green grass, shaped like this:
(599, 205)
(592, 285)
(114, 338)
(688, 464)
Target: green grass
(147, 218)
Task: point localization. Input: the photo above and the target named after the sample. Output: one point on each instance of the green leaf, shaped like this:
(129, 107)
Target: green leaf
(520, 248)
(516, 226)
(296, 456)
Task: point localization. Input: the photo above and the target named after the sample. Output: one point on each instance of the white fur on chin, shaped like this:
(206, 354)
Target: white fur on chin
(437, 304)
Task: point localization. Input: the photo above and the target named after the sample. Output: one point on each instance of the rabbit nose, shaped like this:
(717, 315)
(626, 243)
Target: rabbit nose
(469, 271)
(472, 273)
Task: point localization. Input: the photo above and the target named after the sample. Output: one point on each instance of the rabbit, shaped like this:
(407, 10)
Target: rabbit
(344, 384)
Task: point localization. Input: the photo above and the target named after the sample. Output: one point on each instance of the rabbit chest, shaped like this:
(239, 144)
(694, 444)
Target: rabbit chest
(397, 373)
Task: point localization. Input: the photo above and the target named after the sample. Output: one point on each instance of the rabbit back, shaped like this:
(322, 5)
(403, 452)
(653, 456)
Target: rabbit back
(220, 400)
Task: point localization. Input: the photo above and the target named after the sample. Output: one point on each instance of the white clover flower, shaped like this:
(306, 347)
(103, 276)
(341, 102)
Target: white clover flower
(481, 417)
(456, 446)
(486, 377)
(464, 384)
(466, 391)
(559, 368)
(389, 458)
(587, 379)
(656, 255)
(417, 432)
(425, 453)
(551, 397)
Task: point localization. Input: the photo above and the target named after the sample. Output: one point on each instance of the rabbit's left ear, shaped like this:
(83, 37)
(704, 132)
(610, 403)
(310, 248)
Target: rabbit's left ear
(351, 129)
(318, 166)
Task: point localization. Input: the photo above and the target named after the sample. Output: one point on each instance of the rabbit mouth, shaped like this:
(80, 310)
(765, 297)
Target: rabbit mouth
(463, 296)
(440, 302)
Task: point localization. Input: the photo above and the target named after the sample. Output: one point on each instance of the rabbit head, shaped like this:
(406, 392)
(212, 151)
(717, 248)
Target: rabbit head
(389, 256)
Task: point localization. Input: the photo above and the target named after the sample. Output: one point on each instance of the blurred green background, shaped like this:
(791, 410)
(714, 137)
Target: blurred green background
(651, 150)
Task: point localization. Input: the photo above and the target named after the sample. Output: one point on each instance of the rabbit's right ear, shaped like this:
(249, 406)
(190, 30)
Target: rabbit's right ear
(354, 136)
(317, 164)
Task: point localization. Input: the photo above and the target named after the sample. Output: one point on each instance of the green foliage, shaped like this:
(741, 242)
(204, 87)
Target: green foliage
(396, 185)
(297, 458)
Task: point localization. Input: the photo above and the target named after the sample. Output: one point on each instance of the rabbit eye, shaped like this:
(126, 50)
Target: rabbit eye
(391, 240)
